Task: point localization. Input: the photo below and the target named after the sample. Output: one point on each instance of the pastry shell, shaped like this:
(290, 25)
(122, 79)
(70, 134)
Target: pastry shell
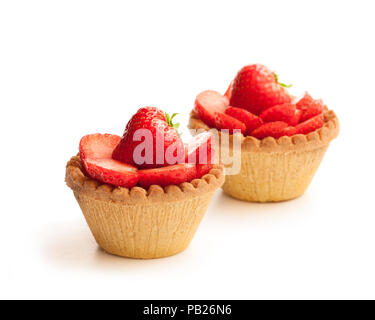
(140, 223)
(277, 169)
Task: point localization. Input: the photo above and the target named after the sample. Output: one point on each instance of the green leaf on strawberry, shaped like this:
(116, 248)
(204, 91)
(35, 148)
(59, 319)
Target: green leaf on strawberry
(280, 83)
(170, 121)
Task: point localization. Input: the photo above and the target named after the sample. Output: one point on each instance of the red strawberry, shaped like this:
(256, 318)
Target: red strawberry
(224, 121)
(256, 89)
(203, 169)
(309, 107)
(250, 120)
(289, 131)
(284, 112)
(311, 110)
(112, 172)
(270, 129)
(304, 101)
(161, 146)
(200, 149)
(98, 146)
(297, 117)
(208, 103)
(228, 93)
(95, 152)
(165, 176)
(310, 125)
(145, 115)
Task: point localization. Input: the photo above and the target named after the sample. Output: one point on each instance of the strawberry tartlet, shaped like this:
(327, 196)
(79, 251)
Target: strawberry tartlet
(138, 206)
(283, 138)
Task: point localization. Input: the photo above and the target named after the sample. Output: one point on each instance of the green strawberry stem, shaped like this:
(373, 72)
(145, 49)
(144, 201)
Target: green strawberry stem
(280, 83)
(170, 121)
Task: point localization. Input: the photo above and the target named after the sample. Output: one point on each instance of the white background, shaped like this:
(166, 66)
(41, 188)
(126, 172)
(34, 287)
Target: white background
(69, 68)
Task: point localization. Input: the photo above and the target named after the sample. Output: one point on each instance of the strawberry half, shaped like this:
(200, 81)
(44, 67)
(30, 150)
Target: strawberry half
(270, 129)
(310, 125)
(226, 122)
(95, 151)
(200, 150)
(171, 175)
(250, 120)
(208, 103)
(256, 89)
(150, 140)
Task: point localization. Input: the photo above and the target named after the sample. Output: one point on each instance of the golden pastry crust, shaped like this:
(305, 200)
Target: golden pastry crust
(79, 182)
(309, 141)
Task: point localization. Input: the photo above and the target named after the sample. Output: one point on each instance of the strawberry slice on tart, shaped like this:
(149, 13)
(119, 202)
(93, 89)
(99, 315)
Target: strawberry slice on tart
(201, 151)
(274, 129)
(286, 112)
(165, 176)
(208, 103)
(224, 121)
(250, 120)
(305, 100)
(98, 145)
(310, 125)
(95, 152)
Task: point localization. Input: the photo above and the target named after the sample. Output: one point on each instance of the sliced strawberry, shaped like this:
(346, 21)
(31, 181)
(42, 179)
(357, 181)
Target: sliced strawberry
(310, 125)
(95, 152)
(296, 119)
(304, 101)
(289, 131)
(224, 121)
(311, 110)
(165, 176)
(270, 129)
(208, 103)
(283, 112)
(228, 93)
(203, 169)
(250, 120)
(310, 107)
(200, 149)
(112, 172)
(98, 145)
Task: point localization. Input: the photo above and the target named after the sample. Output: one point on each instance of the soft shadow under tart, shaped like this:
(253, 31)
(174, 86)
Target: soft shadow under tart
(140, 223)
(277, 169)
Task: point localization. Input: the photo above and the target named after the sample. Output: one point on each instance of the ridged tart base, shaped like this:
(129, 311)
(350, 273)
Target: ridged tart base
(277, 169)
(139, 223)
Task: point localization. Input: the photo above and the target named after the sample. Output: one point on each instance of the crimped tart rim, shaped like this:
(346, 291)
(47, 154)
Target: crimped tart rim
(312, 140)
(81, 184)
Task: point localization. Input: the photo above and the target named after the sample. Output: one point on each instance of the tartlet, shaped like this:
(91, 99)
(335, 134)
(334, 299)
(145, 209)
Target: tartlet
(276, 169)
(139, 223)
